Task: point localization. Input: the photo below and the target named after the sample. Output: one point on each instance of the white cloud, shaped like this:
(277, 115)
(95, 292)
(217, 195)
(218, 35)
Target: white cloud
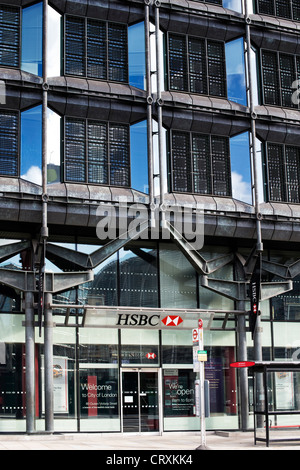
(241, 190)
(34, 175)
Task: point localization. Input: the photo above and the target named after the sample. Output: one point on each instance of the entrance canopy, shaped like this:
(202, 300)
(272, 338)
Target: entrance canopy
(139, 317)
(152, 318)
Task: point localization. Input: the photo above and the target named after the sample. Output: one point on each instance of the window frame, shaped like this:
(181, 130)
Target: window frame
(187, 65)
(108, 125)
(85, 46)
(279, 77)
(209, 156)
(283, 171)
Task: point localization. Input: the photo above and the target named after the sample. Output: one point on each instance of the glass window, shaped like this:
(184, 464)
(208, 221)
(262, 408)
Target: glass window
(138, 277)
(178, 283)
(241, 168)
(96, 49)
(98, 380)
(136, 55)
(235, 5)
(283, 172)
(235, 69)
(32, 39)
(212, 300)
(54, 43)
(139, 347)
(9, 36)
(53, 147)
(285, 307)
(12, 384)
(96, 152)
(176, 347)
(280, 8)
(179, 392)
(197, 65)
(103, 289)
(139, 157)
(9, 137)
(31, 145)
(200, 163)
(279, 71)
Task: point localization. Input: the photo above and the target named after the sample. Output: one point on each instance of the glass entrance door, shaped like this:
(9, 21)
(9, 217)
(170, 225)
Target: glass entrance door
(140, 403)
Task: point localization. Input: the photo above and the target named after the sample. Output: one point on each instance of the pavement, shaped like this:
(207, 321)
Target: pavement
(178, 444)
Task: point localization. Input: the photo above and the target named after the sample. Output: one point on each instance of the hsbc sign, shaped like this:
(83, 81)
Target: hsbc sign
(127, 319)
(151, 318)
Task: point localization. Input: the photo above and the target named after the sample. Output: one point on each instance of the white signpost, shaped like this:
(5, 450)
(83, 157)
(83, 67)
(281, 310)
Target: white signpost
(202, 357)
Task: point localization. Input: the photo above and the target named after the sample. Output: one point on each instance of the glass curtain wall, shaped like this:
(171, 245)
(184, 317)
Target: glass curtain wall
(86, 360)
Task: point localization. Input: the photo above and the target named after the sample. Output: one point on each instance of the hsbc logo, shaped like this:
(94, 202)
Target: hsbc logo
(150, 355)
(172, 320)
(154, 321)
(135, 319)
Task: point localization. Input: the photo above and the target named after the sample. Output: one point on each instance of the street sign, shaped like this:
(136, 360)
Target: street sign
(200, 323)
(202, 356)
(239, 365)
(195, 335)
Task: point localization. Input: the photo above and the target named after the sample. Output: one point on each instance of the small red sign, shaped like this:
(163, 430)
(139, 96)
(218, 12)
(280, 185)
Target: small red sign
(200, 323)
(195, 336)
(242, 364)
(172, 320)
(150, 355)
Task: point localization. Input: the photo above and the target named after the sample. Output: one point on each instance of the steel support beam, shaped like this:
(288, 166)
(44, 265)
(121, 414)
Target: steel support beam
(7, 251)
(237, 290)
(64, 256)
(201, 265)
(25, 281)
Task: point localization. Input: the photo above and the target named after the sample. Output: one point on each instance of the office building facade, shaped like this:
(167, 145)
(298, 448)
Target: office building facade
(149, 177)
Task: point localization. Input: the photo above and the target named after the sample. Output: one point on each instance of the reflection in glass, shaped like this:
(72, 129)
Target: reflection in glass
(103, 289)
(32, 39)
(138, 277)
(139, 157)
(53, 147)
(177, 279)
(235, 69)
(139, 346)
(179, 404)
(136, 55)
(241, 168)
(99, 393)
(235, 5)
(261, 185)
(254, 75)
(31, 145)
(156, 158)
(53, 43)
(211, 300)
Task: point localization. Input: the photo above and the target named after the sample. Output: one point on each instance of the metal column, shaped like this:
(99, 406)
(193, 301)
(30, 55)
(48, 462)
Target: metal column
(149, 114)
(48, 364)
(159, 103)
(29, 361)
(257, 337)
(44, 229)
(243, 372)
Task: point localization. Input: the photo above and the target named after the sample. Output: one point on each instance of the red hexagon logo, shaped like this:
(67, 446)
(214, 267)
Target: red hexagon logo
(150, 355)
(172, 320)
